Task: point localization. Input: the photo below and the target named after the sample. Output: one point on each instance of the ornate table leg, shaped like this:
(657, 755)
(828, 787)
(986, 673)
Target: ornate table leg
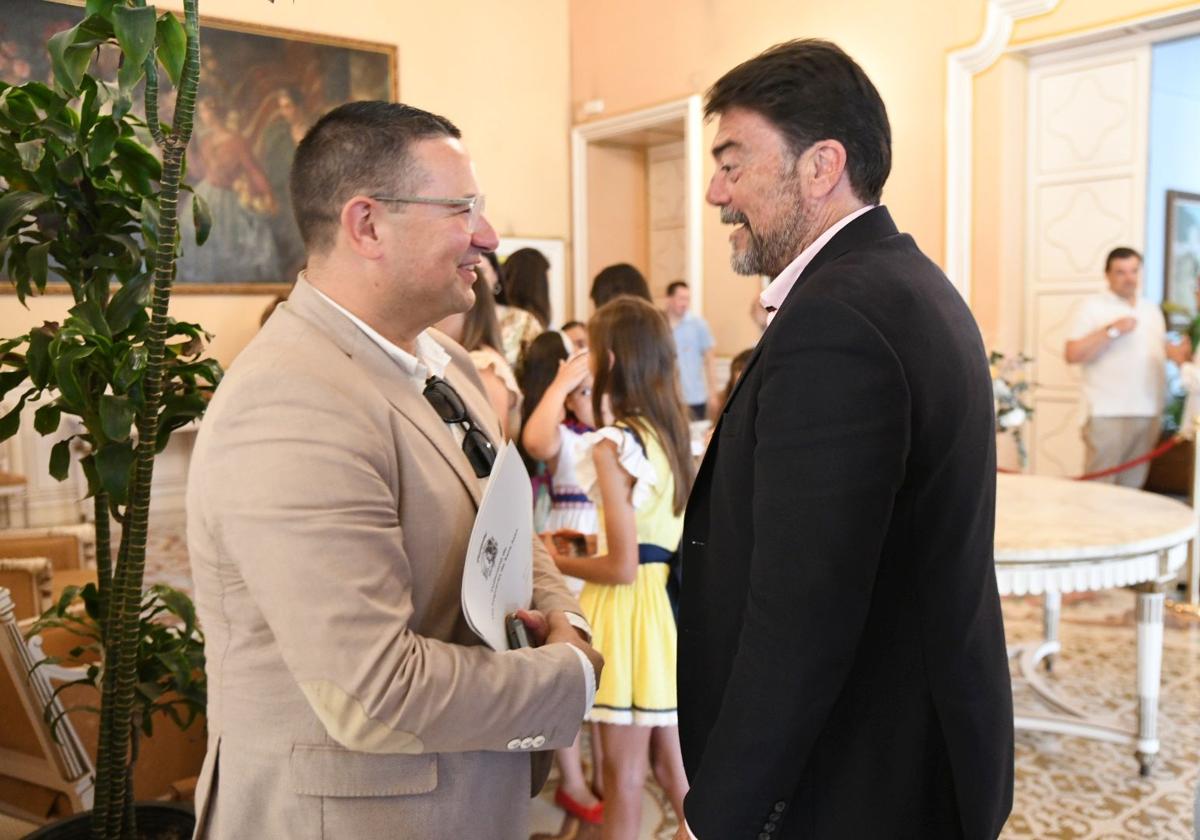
(1150, 597)
(1051, 610)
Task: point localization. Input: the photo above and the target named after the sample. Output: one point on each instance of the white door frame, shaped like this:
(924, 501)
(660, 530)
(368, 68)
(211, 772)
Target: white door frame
(689, 110)
(963, 65)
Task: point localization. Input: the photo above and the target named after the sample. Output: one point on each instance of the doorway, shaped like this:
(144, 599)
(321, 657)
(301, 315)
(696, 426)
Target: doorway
(637, 195)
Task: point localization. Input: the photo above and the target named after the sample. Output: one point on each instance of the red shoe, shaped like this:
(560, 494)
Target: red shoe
(593, 815)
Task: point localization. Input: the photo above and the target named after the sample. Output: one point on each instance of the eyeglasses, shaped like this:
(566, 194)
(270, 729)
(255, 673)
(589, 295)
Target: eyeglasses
(449, 406)
(473, 204)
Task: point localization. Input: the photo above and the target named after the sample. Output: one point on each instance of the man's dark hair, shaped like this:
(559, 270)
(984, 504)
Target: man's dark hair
(359, 147)
(619, 279)
(1119, 254)
(810, 90)
(572, 324)
(675, 284)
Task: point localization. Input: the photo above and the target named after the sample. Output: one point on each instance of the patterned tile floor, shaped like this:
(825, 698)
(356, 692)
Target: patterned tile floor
(1066, 789)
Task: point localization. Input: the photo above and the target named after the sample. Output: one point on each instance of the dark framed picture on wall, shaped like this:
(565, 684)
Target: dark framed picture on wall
(1181, 266)
(260, 90)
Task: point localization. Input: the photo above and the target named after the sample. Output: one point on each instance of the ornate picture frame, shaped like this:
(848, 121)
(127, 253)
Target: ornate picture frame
(260, 89)
(1181, 254)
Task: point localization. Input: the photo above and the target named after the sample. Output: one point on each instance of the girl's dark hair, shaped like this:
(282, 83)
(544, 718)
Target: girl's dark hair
(619, 279)
(536, 369)
(480, 326)
(526, 283)
(641, 383)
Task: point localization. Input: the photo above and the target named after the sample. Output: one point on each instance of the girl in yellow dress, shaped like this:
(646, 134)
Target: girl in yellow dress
(639, 474)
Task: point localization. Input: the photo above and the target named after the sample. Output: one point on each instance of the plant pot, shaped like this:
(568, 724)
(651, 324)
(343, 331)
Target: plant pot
(155, 821)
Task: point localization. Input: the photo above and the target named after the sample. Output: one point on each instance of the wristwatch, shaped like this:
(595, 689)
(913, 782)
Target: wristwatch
(1112, 332)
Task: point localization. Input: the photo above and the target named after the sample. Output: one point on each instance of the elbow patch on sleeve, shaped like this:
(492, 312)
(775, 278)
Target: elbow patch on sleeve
(348, 723)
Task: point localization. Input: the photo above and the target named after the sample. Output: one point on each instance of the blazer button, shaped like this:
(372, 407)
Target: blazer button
(780, 806)
(514, 744)
(526, 743)
(539, 741)
(774, 818)
(764, 836)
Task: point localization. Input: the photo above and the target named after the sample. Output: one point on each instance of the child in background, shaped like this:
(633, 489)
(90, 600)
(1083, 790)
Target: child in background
(640, 474)
(557, 413)
(552, 433)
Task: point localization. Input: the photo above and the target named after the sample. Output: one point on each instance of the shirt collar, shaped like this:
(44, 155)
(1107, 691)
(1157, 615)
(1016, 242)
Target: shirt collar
(431, 358)
(1116, 298)
(773, 296)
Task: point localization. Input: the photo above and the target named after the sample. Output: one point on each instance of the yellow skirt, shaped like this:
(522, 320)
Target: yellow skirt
(633, 627)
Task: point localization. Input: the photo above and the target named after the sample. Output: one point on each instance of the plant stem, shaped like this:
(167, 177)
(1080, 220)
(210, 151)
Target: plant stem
(127, 583)
(103, 557)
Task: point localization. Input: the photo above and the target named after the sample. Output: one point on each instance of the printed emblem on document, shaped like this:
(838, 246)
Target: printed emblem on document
(487, 556)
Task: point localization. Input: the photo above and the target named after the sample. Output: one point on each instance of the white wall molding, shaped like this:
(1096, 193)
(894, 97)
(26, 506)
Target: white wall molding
(961, 68)
(690, 111)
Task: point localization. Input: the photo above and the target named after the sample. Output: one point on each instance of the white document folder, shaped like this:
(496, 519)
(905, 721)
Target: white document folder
(498, 572)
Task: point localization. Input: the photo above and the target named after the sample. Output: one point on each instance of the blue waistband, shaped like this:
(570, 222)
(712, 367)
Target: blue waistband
(568, 498)
(648, 553)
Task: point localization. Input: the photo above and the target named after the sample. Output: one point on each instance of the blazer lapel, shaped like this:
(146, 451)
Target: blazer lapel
(869, 227)
(395, 387)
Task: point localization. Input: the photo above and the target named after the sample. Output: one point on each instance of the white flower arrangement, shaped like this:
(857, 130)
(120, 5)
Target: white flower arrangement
(1010, 387)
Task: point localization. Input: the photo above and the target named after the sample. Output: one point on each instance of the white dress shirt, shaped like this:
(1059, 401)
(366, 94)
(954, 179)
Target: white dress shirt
(1128, 377)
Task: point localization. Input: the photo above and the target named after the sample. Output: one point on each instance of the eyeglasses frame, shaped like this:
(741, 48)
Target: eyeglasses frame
(473, 203)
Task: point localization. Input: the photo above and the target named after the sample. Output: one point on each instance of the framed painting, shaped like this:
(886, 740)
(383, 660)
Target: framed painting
(1181, 266)
(260, 90)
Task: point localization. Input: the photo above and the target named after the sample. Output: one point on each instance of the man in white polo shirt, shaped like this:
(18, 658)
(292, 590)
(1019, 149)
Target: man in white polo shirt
(1120, 340)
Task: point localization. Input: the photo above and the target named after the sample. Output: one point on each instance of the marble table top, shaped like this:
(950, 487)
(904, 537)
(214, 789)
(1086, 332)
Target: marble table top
(1045, 520)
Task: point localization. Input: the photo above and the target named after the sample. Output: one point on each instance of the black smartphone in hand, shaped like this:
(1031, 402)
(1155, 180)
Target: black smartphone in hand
(518, 635)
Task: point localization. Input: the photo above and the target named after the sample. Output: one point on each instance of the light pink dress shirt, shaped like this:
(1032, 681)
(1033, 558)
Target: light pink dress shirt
(773, 296)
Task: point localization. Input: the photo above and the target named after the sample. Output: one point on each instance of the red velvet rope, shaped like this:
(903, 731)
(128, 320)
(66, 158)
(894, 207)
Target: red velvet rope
(1128, 465)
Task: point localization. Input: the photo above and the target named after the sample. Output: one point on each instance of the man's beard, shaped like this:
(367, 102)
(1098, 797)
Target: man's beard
(770, 251)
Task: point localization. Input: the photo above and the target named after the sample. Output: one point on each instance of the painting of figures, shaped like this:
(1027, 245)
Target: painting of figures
(260, 90)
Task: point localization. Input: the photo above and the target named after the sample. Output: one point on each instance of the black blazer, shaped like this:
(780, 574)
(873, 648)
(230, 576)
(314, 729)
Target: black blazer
(842, 666)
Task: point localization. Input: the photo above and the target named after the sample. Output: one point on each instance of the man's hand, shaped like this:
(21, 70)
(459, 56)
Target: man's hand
(1124, 325)
(555, 629)
(1179, 352)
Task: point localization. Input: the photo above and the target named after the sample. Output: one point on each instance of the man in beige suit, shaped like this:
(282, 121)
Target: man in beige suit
(330, 499)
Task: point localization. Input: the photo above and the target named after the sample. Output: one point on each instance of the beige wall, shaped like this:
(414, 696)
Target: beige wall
(620, 55)
(513, 75)
(498, 70)
(618, 226)
(998, 217)
(632, 54)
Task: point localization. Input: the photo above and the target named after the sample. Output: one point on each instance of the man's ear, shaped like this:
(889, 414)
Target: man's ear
(826, 166)
(359, 229)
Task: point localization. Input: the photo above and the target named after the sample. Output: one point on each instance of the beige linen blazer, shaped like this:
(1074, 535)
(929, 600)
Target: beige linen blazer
(329, 510)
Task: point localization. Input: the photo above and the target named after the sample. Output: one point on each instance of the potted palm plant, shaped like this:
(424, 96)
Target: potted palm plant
(86, 200)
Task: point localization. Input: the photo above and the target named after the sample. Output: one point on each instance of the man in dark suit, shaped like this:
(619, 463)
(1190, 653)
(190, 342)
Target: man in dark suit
(842, 667)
